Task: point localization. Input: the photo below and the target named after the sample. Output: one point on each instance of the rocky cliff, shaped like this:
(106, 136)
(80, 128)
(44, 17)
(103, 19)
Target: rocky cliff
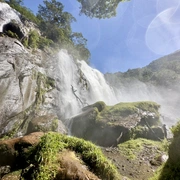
(26, 90)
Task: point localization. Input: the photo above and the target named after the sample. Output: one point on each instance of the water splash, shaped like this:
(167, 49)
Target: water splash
(79, 85)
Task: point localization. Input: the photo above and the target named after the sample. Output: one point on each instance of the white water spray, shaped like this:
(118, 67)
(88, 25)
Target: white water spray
(80, 85)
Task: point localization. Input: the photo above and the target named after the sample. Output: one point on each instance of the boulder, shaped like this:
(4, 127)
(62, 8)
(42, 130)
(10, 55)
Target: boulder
(111, 125)
(10, 149)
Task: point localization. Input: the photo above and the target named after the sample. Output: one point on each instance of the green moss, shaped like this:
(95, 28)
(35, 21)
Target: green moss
(15, 175)
(100, 105)
(132, 148)
(125, 109)
(44, 155)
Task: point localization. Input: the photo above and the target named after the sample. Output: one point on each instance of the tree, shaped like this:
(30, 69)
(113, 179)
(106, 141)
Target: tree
(53, 13)
(80, 43)
(99, 8)
(14, 2)
(78, 38)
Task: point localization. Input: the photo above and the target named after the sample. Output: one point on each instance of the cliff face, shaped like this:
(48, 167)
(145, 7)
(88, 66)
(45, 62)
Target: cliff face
(25, 88)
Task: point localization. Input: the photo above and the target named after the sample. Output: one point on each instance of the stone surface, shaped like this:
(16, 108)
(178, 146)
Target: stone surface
(25, 89)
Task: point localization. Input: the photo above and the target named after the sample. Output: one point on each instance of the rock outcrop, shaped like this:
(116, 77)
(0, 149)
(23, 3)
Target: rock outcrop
(25, 88)
(111, 125)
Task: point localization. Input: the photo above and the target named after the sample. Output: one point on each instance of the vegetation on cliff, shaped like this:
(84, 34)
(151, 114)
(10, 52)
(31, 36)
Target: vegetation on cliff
(162, 72)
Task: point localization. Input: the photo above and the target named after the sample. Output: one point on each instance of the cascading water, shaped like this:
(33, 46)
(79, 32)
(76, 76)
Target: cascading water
(80, 85)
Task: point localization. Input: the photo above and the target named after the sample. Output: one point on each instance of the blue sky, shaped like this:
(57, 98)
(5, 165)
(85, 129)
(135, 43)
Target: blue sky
(142, 31)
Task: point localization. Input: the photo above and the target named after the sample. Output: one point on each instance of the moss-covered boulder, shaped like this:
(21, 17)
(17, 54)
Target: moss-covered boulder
(57, 157)
(110, 125)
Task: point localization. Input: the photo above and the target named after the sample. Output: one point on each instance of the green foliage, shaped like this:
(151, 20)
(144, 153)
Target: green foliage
(33, 39)
(14, 2)
(139, 132)
(44, 155)
(44, 84)
(163, 72)
(17, 5)
(44, 42)
(55, 25)
(52, 17)
(99, 9)
(176, 129)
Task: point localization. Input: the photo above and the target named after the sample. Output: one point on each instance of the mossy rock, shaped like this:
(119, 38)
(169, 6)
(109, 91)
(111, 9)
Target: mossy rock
(111, 125)
(100, 105)
(55, 155)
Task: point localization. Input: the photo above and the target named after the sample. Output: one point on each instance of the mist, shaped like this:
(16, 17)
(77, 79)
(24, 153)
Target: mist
(79, 85)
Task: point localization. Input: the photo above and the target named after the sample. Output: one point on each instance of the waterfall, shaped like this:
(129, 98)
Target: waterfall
(80, 85)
